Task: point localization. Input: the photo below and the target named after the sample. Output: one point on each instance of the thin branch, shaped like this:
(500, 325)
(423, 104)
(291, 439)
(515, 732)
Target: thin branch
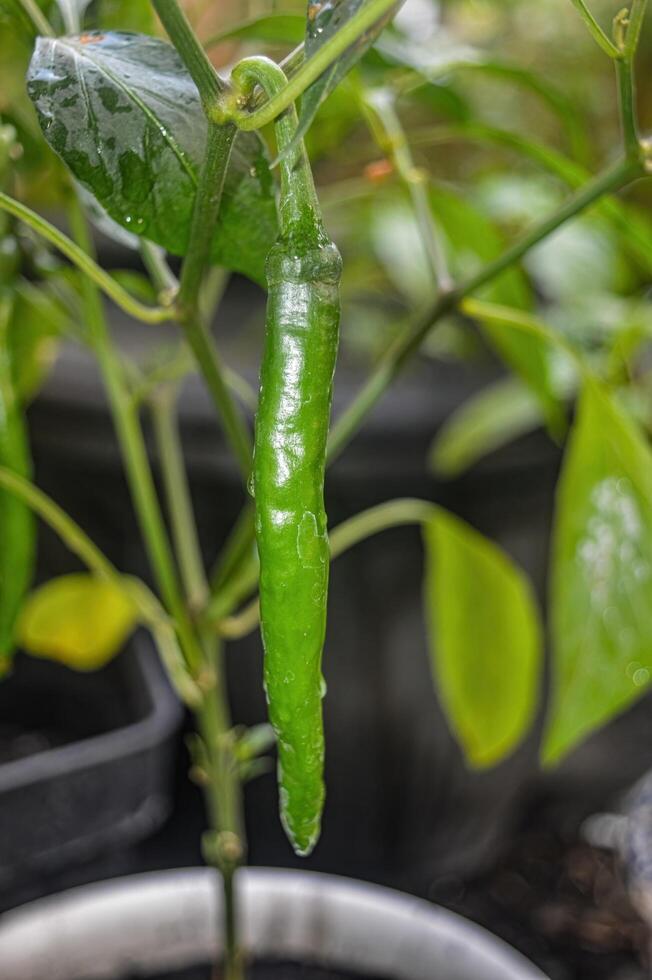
(177, 491)
(393, 141)
(108, 285)
(412, 336)
(394, 513)
(132, 444)
(55, 517)
(636, 18)
(41, 24)
(597, 32)
(175, 22)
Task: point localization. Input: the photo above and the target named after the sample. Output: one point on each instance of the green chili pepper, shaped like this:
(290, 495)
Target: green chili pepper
(303, 311)
(16, 521)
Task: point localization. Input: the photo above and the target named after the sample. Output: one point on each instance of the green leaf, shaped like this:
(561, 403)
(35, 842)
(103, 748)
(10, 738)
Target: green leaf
(17, 532)
(124, 15)
(273, 28)
(78, 620)
(472, 241)
(485, 639)
(523, 344)
(323, 22)
(485, 422)
(601, 616)
(124, 115)
(37, 321)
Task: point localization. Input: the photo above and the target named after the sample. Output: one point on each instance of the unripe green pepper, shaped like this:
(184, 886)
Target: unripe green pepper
(302, 329)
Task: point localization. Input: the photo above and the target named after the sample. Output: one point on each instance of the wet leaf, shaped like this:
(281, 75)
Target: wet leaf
(78, 620)
(601, 617)
(325, 19)
(485, 639)
(124, 115)
(17, 532)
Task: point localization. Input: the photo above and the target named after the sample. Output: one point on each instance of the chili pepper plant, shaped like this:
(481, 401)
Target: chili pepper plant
(155, 146)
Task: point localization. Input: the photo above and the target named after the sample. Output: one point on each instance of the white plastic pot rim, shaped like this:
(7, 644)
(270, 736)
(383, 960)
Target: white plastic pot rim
(168, 920)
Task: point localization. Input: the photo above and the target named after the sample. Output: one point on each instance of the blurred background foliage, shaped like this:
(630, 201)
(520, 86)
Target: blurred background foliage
(503, 106)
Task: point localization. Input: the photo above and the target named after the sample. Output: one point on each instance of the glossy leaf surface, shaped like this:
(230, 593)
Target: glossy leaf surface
(601, 616)
(124, 115)
(325, 19)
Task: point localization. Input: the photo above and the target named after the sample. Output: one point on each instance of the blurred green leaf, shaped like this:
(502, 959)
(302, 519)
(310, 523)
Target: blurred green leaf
(470, 239)
(523, 344)
(485, 422)
(124, 115)
(485, 639)
(17, 531)
(273, 28)
(473, 240)
(78, 620)
(601, 617)
(124, 15)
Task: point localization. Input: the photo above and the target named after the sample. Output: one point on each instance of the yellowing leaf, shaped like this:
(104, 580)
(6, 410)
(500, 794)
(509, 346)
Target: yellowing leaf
(78, 620)
(485, 639)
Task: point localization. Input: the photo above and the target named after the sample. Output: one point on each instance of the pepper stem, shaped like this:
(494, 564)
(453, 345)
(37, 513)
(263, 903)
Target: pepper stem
(299, 211)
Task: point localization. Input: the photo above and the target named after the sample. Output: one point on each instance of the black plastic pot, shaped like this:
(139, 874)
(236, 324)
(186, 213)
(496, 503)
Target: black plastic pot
(85, 763)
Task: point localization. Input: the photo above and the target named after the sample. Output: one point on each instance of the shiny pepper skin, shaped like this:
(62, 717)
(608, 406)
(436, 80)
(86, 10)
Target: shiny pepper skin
(301, 339)
(290, 451)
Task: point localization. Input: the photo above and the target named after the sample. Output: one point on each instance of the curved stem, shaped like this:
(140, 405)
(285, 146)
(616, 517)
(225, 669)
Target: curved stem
(394, 513)
(83, 261)
(55, 517)
(80, 544)
(299, 210)
(311, 69)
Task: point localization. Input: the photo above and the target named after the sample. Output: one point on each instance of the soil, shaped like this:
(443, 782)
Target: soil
(564, 904)
(270, 970)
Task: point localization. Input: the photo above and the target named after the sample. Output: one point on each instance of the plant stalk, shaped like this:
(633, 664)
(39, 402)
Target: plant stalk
(85, 263)
(599, 36)
(133, 448)
(180, 32)
(209, 197)
(177, 491)
(627, 103)
(412, 336)
(310, 70)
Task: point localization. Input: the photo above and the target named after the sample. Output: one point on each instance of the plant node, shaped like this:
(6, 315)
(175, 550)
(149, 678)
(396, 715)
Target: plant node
(620, 26)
